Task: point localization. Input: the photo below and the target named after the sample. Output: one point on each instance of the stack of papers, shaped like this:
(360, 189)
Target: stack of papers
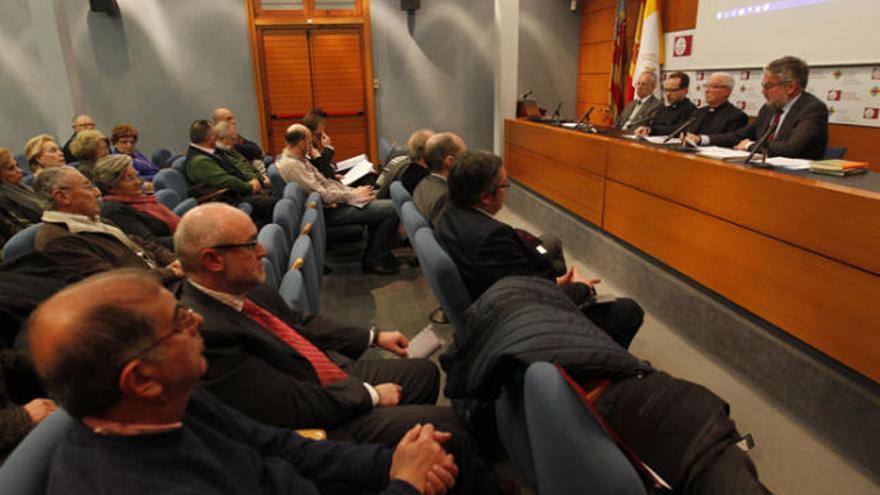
(720, 153)
(424, 343)
(356, 170)
(839, 168)
(786, 163)
(350, 162)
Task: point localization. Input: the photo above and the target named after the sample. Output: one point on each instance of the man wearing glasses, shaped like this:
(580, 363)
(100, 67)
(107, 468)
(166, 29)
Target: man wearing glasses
(485, 250)
(123, 357)
(794, 122)
(719, 115)
(80, 122)
(678, 107)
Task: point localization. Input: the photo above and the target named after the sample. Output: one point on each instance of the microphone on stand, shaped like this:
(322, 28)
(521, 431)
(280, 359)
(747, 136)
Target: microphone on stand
(761, 144)
(527, 94)
(555, 117)
(585, 118)
(680, 128)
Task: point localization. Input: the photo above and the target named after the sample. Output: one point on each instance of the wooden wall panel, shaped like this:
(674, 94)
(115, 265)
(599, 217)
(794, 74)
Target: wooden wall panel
(826, 304)
(597, 25)
(678, 15)
(574, 189)
(286, 71)
(760, 200)
(349, 136)
(862, 143)
(593, 88)
(595, 58)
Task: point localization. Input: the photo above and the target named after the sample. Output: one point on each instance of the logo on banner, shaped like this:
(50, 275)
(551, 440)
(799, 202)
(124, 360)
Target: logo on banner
(745, 75)
(837, 74)
(871, 113)
(834, 94)
(702, 75)
(831, 110)
(875, 91)
(682, 46)
(699, 102)
(741, 104)
(875, 74)
(743, 88)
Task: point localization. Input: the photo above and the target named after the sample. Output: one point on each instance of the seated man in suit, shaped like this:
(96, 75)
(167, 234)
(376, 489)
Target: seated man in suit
(719, 115)
(398, 167)
(249, 149)
(486, 250)
(677, 111)
(80, 122)
(286, 370)
(353, 205)
(644, 106)
(432, 194)
(74, 235)
(218, 179)
(794, 121)
(123, 357)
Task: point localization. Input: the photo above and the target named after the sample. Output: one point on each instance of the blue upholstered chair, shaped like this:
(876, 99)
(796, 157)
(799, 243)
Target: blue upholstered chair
(569, 451)
(275, 241)
(835, 153)
(28, 180)
(271, 274)
(295, 193)
(399, 195)
(179, 163)
(167, 197)
(184, 206)
(286, 216)
(20, 243)
(293, 290)
(169, 178)
(26, 470)
(276, 180)
(246, 207)
(23, 164)
(161, 157)
(301, 258)
(443, 277)
(412, 219)
(309, 225)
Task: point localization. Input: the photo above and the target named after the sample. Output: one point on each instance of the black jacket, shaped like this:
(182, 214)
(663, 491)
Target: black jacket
(134, 222)
(726, 118)
(522, 320)
(671, 117)
(803, 133)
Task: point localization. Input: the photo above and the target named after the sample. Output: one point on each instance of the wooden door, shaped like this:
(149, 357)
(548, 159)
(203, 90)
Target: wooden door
(287, 75)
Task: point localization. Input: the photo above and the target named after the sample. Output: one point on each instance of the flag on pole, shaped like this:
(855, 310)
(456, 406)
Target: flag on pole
(617, 76)
(648, 47)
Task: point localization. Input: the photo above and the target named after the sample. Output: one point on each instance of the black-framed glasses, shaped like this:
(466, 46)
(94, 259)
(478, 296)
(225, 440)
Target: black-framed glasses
(240, 245)
(773, 85)
(184, 320)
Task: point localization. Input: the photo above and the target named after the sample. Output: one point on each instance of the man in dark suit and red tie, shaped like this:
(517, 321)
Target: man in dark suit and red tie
(795, 122)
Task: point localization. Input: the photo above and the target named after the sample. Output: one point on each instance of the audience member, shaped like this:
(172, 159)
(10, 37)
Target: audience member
(124, 138)
(74, 235)
(322, 151)
(22, 400)
(19, 205)
(79, 122)
(249, 149)
(88, 147)
(398, 166)
(678, 107)
(353, 205)
(797, 121)
(432, 194)
(225, 149)
(286, 370)
(486, 250)
(643, 106)
(43, 151)
(126, 204)
(216, 179)
(123, 358)
(719, 115)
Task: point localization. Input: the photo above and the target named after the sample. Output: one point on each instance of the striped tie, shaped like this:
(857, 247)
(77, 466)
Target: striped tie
(326, 370)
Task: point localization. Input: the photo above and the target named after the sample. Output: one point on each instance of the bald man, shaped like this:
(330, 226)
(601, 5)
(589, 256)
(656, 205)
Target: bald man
(80, 122)
(249, 149)
(348, 205)
(123, 357)
(431, 196)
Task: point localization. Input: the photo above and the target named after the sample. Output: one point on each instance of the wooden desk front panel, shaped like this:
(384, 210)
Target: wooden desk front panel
(829, 305)
(583, 151)
(838, 222)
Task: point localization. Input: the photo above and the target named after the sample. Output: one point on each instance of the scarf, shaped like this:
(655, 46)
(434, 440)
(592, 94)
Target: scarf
(149, 206)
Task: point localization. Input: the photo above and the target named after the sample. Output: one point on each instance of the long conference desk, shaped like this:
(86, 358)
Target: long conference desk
(800, 251)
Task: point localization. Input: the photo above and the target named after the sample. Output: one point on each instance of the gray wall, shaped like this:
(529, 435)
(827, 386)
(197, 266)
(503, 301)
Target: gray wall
(549, 35)
(438, 77)
(159, 65)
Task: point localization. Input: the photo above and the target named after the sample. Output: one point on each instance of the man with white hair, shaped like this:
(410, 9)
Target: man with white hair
(643, 106)
(247, 148)
(719, 115)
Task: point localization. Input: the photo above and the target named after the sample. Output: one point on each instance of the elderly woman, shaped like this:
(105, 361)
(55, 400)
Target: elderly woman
(19, 205)
(43, 151)
(227, 135)
(88, 147)
(126, 204)
(124, 137)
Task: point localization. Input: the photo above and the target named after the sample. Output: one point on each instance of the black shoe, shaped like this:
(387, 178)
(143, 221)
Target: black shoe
(380, 269)
(327, 270)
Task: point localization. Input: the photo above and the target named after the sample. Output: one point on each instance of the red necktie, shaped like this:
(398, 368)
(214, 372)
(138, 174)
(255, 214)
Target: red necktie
(326, 370)
(774, 124)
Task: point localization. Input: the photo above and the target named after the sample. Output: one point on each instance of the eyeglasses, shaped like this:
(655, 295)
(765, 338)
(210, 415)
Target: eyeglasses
(249, 245)
(773, 85)
(672, 90)
(184, 320)
(503, 185)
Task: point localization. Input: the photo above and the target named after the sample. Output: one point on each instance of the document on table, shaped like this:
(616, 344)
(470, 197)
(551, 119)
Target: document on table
(357, 171)
(351, 162)
(789, 163)
(720, 153)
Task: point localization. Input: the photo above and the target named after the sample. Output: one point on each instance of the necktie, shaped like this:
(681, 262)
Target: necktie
(326, 370)
(774, 124)
(634, 113)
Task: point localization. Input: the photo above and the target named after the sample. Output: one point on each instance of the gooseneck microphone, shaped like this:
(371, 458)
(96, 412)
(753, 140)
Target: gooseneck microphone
(680, 128)
(527, 94)
(760, 144)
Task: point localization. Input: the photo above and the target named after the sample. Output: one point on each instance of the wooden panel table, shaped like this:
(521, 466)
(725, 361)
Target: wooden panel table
(801, 253)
